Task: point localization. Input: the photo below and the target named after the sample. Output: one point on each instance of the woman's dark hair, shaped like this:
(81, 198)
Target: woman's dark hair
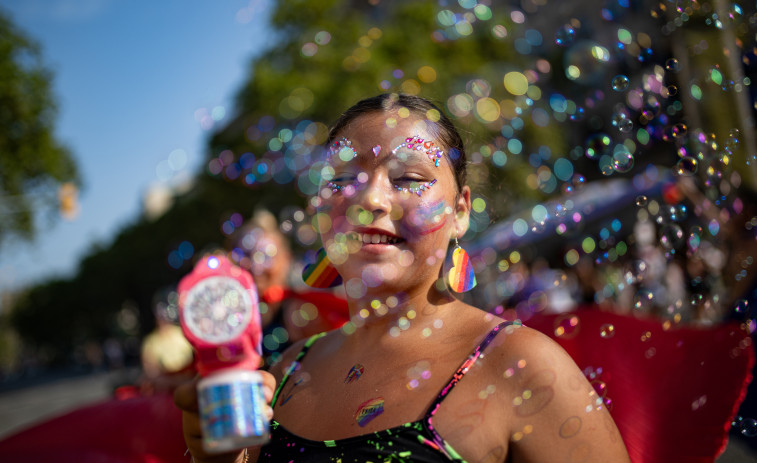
(447, 133)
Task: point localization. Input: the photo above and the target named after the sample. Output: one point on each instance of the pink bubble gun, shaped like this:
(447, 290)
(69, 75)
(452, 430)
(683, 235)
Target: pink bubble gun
(218, 310)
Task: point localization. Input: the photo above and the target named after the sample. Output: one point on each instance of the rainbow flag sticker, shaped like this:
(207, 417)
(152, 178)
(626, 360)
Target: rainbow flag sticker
(369, 410)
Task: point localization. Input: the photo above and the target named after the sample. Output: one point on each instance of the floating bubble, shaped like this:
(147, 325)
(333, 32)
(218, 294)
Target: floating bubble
(565, 35)
(622, 160)
(643, 300)
(641, 200)
(672, 65)
(671, 236)
(585, 62)
(741, 306)
(607, 330)
(686, 167)
(621, 121)
(636, 272)
(620, 83)
(679, 130)
(578, 114)
(748, 427)
(693, 242)
(567, 326)
(597, 145)
(677, 213)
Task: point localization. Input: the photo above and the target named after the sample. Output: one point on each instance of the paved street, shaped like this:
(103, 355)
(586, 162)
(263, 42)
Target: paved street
(24, 407)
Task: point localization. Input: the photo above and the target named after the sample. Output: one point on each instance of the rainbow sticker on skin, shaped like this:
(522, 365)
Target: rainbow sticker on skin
(343, 149)
(419, 144)
(369, 410)
(354, 374)
(461, 277)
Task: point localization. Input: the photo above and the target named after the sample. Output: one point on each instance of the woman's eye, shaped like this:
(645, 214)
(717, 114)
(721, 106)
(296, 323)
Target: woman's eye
(409, 179)
(344, 178)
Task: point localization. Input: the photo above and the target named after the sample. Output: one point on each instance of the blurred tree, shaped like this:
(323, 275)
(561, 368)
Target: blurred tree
(518, 98)
(34, 165)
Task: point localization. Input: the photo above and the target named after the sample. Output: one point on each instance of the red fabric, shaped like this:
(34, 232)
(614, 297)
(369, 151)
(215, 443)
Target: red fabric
(136, 430)
(331, 307)
(674, 391)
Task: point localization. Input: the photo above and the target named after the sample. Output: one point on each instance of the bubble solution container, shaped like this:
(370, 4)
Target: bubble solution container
(218, 311)
(232, 410)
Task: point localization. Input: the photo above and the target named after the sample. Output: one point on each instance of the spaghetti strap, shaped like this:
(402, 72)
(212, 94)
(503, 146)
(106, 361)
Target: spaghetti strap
(464, 367)
(295, 364)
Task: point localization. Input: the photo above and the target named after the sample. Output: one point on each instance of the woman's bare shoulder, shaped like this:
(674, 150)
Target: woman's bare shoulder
(545, 390)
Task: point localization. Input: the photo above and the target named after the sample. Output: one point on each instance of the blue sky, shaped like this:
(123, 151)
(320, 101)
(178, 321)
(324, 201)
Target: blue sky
(140, 87)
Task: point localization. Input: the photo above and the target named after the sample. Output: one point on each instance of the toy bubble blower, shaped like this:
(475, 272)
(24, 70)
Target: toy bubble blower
(218, 309)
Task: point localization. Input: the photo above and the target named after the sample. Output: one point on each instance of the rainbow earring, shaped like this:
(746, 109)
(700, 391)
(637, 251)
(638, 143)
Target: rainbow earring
(321, 273)
(461, 277)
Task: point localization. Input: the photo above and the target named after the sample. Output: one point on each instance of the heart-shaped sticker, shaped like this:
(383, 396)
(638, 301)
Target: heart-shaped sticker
(460, 276)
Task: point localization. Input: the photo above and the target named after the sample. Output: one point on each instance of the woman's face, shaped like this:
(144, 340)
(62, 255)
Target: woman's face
(388, 210)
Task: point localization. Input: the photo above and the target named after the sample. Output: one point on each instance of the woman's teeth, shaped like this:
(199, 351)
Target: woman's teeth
(374, 238)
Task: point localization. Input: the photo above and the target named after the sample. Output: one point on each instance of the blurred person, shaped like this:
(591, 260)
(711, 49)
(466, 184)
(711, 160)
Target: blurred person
(166, 355)
(287, 314)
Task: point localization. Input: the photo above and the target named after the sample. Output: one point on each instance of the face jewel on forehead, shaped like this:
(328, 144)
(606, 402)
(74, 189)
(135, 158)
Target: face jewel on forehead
(337, 146)
(419, 144)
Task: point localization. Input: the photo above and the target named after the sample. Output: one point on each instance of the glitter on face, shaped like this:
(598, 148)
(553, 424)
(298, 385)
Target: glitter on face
(417, 143)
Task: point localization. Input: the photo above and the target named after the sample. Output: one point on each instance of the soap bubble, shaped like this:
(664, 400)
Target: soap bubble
(671, 236)
(597, 145)
(672, 65)
(620, 83)
(622, 160)
(607, 330)
(741, 306)
(567, 326)
(565, 35)
(686, 167)
(641, 200)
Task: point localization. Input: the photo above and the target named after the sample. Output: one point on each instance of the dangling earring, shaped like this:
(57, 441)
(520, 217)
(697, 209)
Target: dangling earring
(321, 273)
(460, 276)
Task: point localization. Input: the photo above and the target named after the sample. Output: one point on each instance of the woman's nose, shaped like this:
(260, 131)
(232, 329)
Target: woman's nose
(375, 195)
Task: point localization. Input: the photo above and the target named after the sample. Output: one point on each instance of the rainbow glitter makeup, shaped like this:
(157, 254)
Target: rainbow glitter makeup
(343, 149)
(334, 187)
(417, 189)
(376, 150)
(369, 410)
(428, 147)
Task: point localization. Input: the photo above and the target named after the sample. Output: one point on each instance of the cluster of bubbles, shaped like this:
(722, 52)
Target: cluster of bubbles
(626, 100)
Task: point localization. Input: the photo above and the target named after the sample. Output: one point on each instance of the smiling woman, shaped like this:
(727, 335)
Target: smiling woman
(407, 380)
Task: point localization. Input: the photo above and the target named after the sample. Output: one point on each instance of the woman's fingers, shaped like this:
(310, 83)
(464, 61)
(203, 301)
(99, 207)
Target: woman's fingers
(185, 396)
(269, 385)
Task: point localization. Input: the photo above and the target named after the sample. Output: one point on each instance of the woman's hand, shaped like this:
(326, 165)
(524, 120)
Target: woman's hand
(185, 397)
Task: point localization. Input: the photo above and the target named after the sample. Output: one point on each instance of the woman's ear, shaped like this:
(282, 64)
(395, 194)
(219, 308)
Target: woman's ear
(462, 211)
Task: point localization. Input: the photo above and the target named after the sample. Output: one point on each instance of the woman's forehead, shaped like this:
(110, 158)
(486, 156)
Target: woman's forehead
(389, 127)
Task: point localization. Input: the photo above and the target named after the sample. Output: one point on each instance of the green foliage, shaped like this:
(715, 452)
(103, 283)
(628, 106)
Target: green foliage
(33, 163)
